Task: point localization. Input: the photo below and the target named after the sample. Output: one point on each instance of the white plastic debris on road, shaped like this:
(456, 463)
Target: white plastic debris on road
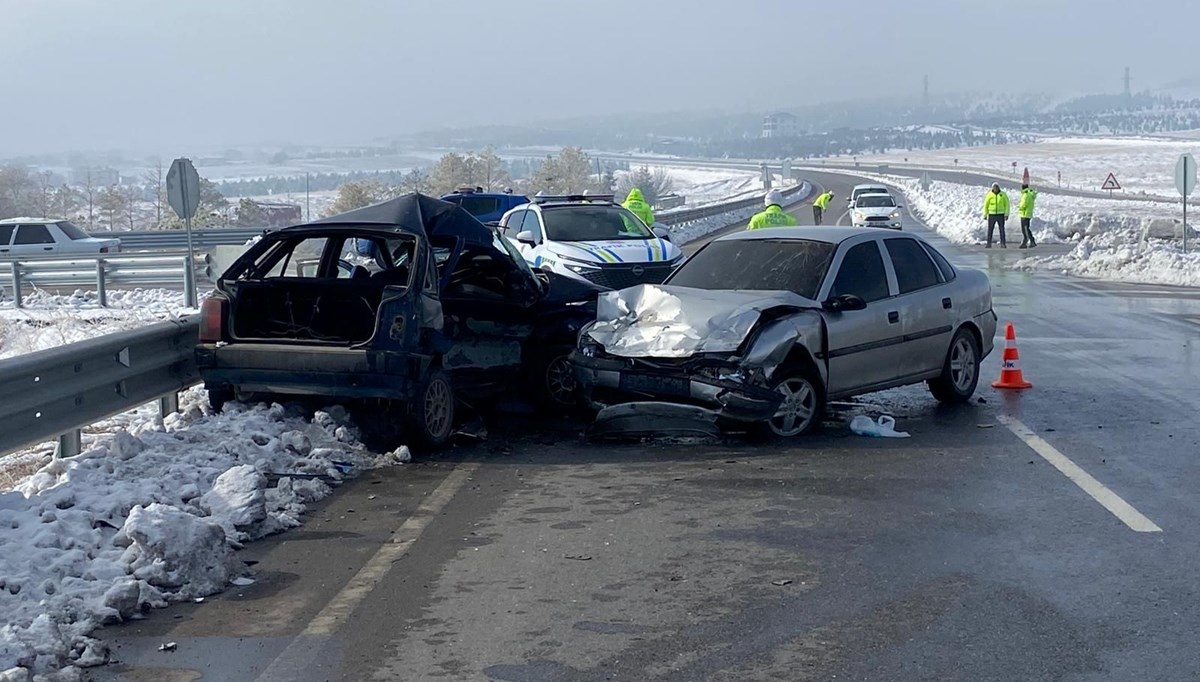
(153, 514)
(885, 427)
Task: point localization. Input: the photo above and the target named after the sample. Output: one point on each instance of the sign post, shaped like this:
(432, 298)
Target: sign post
(183, 194)
(1185, 182)
(925, 182)
(1110, 183)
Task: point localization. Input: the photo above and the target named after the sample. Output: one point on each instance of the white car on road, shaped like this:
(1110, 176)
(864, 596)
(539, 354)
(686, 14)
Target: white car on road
(591, 238)
(860, 190)
(877, 210)
(24, 237)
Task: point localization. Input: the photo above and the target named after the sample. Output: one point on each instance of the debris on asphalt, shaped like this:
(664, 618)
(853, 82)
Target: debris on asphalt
(863, 425)
(198, 600)
(168, 646)
(578, 557)
(985, 426)
(242, 581)
(982, 400)
(781, 583)
(371, 497)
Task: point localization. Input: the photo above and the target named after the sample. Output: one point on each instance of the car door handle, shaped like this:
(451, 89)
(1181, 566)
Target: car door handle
(947, 303)
(47, 248)
(893, 317)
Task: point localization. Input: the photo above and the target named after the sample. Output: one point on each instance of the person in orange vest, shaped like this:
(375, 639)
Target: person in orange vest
(995, 211)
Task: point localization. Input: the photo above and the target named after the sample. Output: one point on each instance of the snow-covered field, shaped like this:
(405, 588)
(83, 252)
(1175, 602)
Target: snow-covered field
(1140, 164)
(1127, 241)
(153, 513)
(50, 320)
(702, 186)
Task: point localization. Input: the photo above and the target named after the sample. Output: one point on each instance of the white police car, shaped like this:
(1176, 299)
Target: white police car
(591, 238)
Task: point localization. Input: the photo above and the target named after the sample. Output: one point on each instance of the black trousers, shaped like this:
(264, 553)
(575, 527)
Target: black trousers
(1026, 232)
(994, 220)
(817, 212)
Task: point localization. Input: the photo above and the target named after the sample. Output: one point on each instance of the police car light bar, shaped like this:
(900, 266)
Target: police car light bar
(556, 198)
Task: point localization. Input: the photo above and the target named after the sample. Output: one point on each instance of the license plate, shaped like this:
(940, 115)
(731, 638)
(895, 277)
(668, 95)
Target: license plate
(650, 383)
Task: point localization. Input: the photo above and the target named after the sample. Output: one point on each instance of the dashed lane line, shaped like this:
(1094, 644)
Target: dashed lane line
(1098, 491)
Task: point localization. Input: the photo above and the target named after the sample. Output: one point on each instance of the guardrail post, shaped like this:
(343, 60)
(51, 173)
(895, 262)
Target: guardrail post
(168, 404)
(189, 282)
(101, 289)
(16, 283)
(69, 444)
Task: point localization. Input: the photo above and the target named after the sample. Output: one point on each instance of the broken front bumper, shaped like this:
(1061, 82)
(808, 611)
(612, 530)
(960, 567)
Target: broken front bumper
(317, 371)
(612, 381)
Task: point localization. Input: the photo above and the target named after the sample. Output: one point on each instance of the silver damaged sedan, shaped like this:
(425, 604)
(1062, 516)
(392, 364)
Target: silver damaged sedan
(761, 328)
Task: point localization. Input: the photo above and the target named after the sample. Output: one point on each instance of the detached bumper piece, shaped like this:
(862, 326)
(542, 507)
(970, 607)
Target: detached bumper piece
(610, 383)
(639, 420)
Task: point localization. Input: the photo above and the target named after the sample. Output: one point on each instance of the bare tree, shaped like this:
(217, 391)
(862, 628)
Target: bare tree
(89, 194)
(111, 201)
(154, 180)
(653, 184)
(44, 198)
(131, 194)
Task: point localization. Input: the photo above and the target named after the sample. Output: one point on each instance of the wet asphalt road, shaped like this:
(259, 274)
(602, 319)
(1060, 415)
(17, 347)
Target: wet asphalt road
(958, 554)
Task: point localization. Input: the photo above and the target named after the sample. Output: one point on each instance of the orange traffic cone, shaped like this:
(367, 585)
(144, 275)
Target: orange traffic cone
(1010, 370)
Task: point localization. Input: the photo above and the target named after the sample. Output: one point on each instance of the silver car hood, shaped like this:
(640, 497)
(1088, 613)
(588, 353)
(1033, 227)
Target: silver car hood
(652, 320)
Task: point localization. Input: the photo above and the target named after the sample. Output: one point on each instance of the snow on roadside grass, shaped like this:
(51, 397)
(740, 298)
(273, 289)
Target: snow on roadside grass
(50, 320)
(152, 514)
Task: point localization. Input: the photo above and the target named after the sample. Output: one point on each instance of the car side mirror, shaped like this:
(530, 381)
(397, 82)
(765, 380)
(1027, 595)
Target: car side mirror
(525, 237)
(662, 233)
(844, 303)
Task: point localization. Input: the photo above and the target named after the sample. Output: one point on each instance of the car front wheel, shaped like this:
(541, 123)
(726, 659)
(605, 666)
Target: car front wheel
(803, 402)
(960, 373)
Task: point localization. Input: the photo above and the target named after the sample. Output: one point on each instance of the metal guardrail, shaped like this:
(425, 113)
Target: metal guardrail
(691, 215)
(162, 240)
(168, 269)
(52, 393)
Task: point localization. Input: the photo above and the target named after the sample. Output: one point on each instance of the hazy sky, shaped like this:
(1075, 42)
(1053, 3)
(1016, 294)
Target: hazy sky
(174, 75)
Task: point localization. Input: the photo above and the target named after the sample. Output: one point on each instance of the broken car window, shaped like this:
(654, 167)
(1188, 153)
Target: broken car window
(794, 265)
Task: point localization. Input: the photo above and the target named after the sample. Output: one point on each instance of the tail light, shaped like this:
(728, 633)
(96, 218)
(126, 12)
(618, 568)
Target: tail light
(212, 319)
(103, 249)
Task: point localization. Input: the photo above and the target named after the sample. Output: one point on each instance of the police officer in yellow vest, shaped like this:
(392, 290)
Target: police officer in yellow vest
(773, 215)
(995, 211)
(820, 205)
(636, 204)
(1025, 212)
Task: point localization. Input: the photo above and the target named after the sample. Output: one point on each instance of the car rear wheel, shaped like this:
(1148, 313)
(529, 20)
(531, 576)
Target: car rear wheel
(559, 387)
(803, 402)
(431, 413)
(960, 373)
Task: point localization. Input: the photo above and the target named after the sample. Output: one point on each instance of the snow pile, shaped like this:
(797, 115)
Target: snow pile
(153, 514)
(50, 320)
(1122, 257)
(682, 234)
(703, 186)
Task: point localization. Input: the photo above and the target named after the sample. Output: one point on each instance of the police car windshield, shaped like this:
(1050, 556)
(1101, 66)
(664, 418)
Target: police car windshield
(875, 201)
(584, 223)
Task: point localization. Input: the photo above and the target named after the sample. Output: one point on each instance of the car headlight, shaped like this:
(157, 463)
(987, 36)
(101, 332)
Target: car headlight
(858, 215)
(896, 213)
(581, 269)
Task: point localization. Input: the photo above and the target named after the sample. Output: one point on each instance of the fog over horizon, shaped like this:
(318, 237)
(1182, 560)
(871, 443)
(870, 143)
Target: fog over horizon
(140, 76)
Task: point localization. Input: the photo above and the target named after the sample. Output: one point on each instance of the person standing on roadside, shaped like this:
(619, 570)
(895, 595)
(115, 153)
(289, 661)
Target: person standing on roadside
(773, 215)
(1025, 213)
(636, 204)
(995, 211)
(820, 205)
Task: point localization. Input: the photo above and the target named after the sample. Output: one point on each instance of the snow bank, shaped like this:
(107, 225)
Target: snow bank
(152, 514)
(1118, 256)
(703, 186)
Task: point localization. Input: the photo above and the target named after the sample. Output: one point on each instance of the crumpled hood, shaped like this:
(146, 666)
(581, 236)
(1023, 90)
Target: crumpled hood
(651, 320)
(654, 250)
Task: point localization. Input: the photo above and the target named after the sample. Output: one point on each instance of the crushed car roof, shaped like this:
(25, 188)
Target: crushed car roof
(417, 213)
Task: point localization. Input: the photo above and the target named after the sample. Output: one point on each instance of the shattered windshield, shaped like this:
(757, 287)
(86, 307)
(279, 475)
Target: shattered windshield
(585, 223)
(794, 265)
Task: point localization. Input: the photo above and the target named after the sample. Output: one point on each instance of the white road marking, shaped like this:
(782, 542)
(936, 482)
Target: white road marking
(1098, 491)
(305, 647)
